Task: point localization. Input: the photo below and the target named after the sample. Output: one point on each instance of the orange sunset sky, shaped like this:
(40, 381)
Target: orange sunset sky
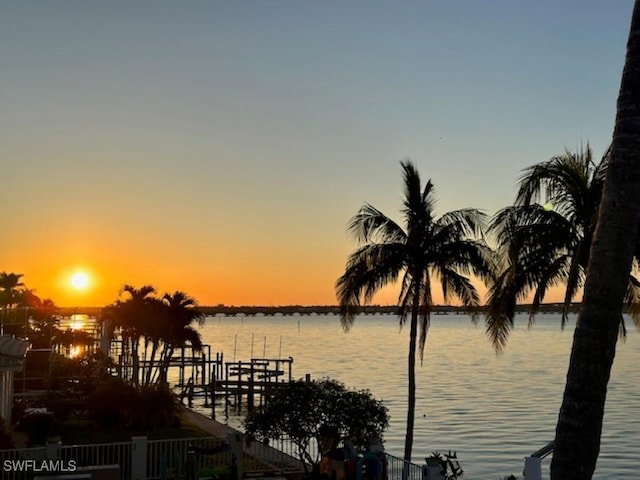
(220, 148)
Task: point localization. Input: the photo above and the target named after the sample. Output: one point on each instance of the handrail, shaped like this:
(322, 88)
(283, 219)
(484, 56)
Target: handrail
(533, 463)
(544, 451)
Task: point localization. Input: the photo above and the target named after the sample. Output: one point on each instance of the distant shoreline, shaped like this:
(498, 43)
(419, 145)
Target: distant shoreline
(290, 310)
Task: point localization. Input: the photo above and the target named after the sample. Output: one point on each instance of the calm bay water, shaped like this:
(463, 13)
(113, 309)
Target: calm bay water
(493, 409)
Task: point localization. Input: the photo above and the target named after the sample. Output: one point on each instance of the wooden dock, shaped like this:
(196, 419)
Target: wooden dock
(232, 384)
(204, 375)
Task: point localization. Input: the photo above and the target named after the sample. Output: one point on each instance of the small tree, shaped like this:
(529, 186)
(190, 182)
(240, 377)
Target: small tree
(319, 412)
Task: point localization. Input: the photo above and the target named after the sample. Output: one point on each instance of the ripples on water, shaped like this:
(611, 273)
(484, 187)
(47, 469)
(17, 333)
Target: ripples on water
(493, 409)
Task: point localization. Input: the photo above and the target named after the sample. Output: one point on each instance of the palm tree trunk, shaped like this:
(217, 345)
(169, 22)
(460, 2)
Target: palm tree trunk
(411, 401)
(136, 361)
(581, 415)
(150, 364)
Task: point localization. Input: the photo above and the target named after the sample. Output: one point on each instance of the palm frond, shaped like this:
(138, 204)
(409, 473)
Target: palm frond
(632, 299)
(404, 297)
(467, 222)
(574, 282)
(568, 181)
(368, 269)
(425, 314)
(552, 276)
(371, 225)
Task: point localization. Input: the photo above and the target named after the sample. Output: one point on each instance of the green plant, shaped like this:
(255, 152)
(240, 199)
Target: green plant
(115, 402)
(6, 442)
(112, 403)
(321, 411)
(38, 426)
(448, 462)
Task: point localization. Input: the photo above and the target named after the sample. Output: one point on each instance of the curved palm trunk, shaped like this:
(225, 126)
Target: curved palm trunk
(151, 362)
(135, 378)
(581, 415)
(411, 398)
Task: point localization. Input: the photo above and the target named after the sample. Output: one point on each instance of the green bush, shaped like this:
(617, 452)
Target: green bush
(6, 442)
(323, 412)
(112, 403)
(116, 403)
(38, 426)
(158, 407)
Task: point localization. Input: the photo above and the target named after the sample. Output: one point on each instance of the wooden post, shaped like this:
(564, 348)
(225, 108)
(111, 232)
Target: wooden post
(213, 398)
(205, 385)
(239, 386)
(250, 387)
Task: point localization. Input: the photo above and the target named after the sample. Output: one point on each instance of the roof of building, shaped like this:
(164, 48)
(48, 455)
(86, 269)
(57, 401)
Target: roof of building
(12, 352)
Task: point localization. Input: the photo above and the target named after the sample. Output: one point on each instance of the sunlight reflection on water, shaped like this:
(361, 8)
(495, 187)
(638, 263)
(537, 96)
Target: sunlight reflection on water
(493, 409)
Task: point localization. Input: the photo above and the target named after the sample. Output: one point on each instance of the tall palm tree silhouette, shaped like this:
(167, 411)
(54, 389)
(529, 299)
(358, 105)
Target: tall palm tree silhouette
(445, 249)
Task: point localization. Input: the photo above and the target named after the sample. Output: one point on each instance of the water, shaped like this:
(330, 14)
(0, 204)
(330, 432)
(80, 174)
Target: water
(492, 409)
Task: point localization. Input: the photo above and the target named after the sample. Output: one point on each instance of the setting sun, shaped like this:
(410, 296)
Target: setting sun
(80, 280)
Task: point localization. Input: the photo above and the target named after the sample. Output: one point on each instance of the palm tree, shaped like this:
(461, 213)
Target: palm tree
(180, 312)
(134, 316)
(541, 246)
(9, 289)
(428, 248)
(577, 442)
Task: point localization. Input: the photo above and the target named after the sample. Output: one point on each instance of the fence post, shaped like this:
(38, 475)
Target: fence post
(237, 445)
(52, 450)
(138, 458)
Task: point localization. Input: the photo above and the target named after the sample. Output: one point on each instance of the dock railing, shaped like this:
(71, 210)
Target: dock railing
(533, 463)
(399, 469)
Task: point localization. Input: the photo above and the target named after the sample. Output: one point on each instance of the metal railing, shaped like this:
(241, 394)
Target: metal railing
(169, 456)
(533, 463)
(277, 458)
(399, 469)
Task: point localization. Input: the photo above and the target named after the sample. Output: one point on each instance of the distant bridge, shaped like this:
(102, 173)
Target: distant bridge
(305, 310)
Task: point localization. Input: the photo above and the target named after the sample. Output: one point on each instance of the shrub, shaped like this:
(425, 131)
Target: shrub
(38, 426)
(158, 407)
(112, 403)
(6, 442)
(321, 411)
(117, 403)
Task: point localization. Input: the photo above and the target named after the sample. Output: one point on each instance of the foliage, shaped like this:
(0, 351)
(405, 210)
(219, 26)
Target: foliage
(543, 246)
(163, 323)
(158, 407)
(80, 374)
(448, 462)
(6, 442)
(321, 412)
(38, 426)
(22, 309)
(115, 402)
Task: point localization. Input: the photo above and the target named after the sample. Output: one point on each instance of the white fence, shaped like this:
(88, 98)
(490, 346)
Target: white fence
(138, 459)
(141, 459)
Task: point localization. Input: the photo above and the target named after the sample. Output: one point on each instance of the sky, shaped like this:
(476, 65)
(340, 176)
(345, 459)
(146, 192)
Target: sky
(220, 147)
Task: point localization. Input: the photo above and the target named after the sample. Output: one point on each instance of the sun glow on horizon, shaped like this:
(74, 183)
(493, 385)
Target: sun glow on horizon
(80, 281)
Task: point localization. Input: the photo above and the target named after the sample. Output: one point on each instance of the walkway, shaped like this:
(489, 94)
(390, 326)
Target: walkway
(275, 461)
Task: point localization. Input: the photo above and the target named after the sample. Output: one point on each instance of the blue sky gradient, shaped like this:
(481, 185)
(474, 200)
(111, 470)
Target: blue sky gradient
(197, 145)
